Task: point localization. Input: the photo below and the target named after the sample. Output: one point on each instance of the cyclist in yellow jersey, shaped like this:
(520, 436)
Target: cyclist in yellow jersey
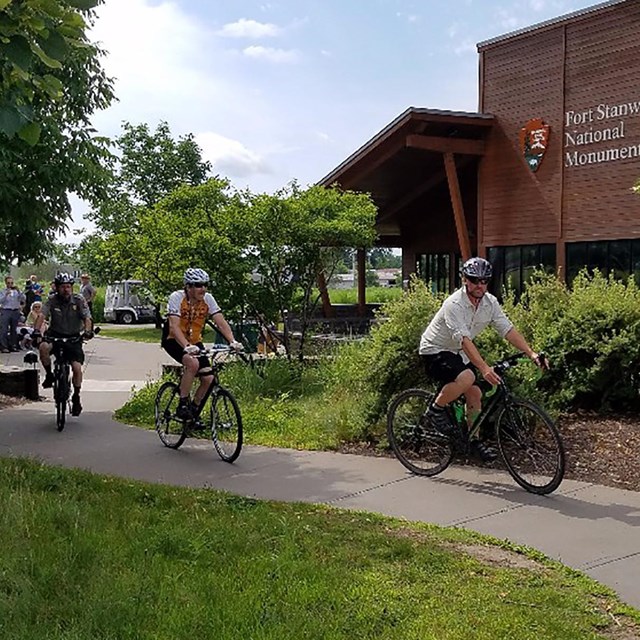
(188, 310)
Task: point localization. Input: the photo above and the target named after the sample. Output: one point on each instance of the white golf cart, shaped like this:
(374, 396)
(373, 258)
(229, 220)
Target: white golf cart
(128, 301)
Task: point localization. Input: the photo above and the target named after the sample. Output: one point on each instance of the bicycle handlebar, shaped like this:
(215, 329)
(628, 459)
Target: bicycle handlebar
(510, 361)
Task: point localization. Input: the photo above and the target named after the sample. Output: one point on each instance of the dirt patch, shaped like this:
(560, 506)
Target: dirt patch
(499, 557)
(7, 402)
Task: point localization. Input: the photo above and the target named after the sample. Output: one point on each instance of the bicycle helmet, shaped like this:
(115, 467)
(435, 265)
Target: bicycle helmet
(63, 278)
(477, 268)
(192, 276)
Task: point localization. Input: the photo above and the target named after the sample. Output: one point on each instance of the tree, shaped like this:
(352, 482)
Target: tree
(150, 166)
(264, 252)
(51, 83)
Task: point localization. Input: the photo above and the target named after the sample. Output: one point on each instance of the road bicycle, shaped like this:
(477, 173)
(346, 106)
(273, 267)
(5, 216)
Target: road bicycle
(218, 414)
(528, 440)
(62, 375)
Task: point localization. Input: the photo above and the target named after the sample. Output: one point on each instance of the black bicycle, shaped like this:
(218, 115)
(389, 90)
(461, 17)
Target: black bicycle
(528, 440)
(218, 414)
(62, 375)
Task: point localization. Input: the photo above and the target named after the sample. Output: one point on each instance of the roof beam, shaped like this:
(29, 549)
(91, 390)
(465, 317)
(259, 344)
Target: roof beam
(446, 145)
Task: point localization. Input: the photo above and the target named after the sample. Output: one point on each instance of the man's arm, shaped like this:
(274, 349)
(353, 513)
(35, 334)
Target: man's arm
(223, 327)
(518, 341)
(176, 331)
(478, 361)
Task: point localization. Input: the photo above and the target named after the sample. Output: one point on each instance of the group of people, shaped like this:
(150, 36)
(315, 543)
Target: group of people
(446, 346)
(19, 309)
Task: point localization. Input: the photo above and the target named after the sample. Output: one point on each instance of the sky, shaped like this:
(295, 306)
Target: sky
(287, 89)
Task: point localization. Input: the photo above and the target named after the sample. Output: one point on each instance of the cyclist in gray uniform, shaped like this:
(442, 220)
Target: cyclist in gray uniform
(451, 357)
(68, 316)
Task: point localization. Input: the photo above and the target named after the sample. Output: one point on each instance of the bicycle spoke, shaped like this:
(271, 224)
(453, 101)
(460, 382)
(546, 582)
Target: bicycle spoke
(169, 428)
(531, 447)
(416, 444)
(225, 424)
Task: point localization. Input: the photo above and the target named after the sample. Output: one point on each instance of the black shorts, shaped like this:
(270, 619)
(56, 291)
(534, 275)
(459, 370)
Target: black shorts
(445, 366)
(72, 350)
(173, 348)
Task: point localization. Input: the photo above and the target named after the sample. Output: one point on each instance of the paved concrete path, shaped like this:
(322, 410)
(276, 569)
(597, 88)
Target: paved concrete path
(592, 528)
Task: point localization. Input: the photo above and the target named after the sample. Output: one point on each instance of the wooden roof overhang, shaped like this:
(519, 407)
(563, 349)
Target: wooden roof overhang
(421, 150)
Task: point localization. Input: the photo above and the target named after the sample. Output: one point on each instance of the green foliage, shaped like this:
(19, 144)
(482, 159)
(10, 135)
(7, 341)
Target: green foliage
(373, 294)
(149, 167)
(51, 83)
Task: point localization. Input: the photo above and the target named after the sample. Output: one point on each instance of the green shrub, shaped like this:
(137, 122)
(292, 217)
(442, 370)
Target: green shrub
(98, 305)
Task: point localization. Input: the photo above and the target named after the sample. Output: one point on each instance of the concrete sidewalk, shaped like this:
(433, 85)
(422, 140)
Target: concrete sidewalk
(591, 528)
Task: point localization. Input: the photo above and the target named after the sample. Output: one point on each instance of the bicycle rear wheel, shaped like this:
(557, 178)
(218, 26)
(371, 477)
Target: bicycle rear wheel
(531, 447)
(61, 396)
(225, 424)
(417, 444)
(171, 430)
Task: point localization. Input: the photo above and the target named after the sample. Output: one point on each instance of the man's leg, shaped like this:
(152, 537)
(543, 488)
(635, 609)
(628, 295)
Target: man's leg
(205, 383)
(14, 317)
(76, 377)
(191, 366)
(4, 329)
(45, 359)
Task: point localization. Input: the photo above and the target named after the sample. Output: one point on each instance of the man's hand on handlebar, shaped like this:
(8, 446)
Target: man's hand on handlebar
(192, 350)
(491, 376)
(541, 361)
(87, 335)
(236, 346)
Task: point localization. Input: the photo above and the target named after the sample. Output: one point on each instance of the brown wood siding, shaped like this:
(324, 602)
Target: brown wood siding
(602, 67)
(575, 65)
(522, 80)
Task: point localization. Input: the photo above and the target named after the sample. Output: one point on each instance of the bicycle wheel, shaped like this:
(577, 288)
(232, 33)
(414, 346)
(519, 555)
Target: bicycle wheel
(416, 444)
(531, 447)
(225, 424)
(170, 429)
(61, 396)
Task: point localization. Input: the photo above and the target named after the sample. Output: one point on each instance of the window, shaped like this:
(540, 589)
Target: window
(620, 257)
(514, 266)
(436, 268)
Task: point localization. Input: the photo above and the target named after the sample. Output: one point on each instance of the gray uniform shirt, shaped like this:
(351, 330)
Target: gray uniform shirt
(459, 318)
(65, 318)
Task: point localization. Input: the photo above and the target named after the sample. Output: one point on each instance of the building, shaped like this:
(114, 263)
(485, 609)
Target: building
(542, 174)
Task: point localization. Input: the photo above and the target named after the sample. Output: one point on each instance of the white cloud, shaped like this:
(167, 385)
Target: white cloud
(270, 54)
(244, 28)
(465, 47)
(230, 157)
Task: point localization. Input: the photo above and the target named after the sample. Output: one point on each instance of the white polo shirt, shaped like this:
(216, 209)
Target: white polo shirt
(459, 318)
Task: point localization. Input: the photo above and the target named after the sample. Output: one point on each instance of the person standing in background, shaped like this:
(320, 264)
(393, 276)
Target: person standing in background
(88, 291)
(11, 303)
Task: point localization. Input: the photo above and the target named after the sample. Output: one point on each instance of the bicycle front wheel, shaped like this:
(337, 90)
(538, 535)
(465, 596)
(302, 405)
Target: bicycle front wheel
(531, 447)
(226, 425)
(61, 396)
(171, 430)
(417, 444)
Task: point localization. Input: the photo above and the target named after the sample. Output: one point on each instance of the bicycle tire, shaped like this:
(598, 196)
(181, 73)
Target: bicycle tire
(416, 444)
(61, 396)
(531, 447)
(225, 425)
(170, 430)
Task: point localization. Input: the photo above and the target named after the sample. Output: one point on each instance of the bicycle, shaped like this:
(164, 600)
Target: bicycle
(528, 440)
(62, 375)
(222, 420)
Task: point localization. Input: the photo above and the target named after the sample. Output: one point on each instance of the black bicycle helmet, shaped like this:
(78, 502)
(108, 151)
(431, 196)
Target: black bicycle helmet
(477, 268)
(63, 278)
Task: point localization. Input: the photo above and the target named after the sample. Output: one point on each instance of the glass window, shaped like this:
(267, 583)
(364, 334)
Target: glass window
(597, 256)
(515, 265)
(435, 268)
(619, 257)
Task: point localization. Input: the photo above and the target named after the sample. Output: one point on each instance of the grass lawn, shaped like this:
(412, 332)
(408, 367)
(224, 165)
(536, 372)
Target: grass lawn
(87, 556)
(130, 332)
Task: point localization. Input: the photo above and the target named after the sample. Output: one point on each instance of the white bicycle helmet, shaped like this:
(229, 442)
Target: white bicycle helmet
(192, 275)
(64, 278)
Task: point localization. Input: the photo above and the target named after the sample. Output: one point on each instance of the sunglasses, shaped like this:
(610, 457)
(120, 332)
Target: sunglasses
(473, 280)
(198, 285)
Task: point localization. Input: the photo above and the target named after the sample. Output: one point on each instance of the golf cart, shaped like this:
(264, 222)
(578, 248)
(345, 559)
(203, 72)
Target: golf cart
(128, 301)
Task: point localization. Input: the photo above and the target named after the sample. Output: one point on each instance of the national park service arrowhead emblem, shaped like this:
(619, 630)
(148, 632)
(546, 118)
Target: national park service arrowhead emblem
(534, 139)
